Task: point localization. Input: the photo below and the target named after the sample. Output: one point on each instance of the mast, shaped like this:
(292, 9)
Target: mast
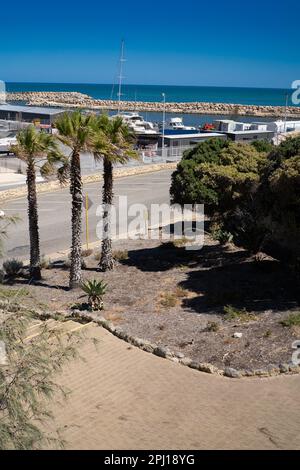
(122, 60)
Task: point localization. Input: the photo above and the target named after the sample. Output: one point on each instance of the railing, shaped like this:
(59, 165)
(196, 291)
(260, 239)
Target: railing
(168, 154)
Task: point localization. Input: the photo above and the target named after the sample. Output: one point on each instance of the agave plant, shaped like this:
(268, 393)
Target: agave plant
(95, 290)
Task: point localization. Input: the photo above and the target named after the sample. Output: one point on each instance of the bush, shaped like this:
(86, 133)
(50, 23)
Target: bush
(45, 262)
(232, 313)
(292, 320)
(222, 236)
(13, 268)
(95, 291)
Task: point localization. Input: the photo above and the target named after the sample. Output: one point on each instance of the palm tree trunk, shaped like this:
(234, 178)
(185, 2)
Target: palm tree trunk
(106, 262)
(35, 268)
(76, 194)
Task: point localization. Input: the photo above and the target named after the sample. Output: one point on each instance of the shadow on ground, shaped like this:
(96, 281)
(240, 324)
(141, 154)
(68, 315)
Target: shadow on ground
(218, 276)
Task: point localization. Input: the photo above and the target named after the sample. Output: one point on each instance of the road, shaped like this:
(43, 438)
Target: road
(55, 212)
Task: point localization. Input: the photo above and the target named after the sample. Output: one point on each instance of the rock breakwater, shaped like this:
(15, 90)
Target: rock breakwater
(79, 100)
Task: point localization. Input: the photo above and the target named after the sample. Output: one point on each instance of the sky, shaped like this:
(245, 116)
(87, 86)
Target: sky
(209, 43)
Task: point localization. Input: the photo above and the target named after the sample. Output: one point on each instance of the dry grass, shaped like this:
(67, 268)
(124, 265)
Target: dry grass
(120, 255)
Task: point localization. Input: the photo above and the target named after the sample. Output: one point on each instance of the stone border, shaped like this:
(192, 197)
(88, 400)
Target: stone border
(179, 358)
(50, 186)
(160, 351)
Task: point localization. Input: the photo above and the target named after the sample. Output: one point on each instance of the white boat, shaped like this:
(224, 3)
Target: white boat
(176, 124)
(137, 123)
(6, 142)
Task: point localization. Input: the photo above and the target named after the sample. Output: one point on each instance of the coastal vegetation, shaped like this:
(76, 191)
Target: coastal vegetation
(32, 147)
(250, 192)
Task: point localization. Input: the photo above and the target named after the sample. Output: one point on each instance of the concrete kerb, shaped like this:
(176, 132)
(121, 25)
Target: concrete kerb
(50, 186)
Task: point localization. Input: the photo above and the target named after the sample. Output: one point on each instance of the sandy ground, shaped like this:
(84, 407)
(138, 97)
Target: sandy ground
(125, 398)
(171, 297)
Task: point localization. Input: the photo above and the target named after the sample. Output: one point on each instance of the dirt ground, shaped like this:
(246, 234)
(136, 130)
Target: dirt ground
(176, 298)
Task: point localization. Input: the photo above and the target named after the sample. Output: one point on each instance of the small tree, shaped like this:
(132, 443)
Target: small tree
(28, 373)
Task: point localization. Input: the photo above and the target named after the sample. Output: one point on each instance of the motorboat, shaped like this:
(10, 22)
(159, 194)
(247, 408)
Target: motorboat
(139, 126)
(6, 141)
(176, 123)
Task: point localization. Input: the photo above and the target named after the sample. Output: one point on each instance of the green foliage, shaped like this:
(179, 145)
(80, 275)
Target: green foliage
(253, 195)
(95, 291)
(13, 268)
(28, 380)
(293, 319)
(234, 314)
(218, 174)
(222, 236)
(262, 145)
(212, 326)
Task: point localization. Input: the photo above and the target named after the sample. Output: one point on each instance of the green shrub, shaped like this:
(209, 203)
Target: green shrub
(95, 290)
(232, 313)
(13, 268)
(292, 320)
(212, 326)
(222, 236)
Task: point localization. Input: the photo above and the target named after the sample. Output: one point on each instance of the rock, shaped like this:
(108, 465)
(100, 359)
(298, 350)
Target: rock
(237, 335)
(233, 373)
(180, 355)
(194, 365)
(208, 368)
(294, 368)
(162, 352)
(186, 361)
(284, 368)
(261, 372)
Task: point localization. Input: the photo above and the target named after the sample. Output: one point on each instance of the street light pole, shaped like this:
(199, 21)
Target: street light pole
(285, 112)
(163, 125)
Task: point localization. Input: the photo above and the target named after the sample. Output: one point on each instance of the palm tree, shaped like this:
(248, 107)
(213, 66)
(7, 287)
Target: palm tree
(76, 131)
(33, 147)
(114, 145)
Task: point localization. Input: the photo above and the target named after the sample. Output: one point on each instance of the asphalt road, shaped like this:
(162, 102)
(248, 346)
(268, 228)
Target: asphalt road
(55, 212)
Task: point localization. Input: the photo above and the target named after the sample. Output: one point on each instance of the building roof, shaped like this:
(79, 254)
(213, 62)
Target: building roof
(251, 131)
(194, 135)
(30, 109)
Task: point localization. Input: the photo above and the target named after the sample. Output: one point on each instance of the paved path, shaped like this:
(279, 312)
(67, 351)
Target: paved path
(55, 211)
(125, 398)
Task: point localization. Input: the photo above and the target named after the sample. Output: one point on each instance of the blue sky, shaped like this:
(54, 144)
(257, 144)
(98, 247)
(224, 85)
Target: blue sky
(215, 43)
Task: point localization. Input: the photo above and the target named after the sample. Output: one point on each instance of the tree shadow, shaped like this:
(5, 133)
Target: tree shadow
(168, 256)
(26, 282)
(258, 287)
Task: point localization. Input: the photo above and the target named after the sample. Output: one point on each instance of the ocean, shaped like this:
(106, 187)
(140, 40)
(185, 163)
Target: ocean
(152, 93)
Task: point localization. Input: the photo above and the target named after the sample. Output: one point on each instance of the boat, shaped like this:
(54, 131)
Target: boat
(176, 123)
(6, 141)
(138, 124)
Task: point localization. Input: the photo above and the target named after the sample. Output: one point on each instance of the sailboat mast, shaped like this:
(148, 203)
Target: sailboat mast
(122, 60)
